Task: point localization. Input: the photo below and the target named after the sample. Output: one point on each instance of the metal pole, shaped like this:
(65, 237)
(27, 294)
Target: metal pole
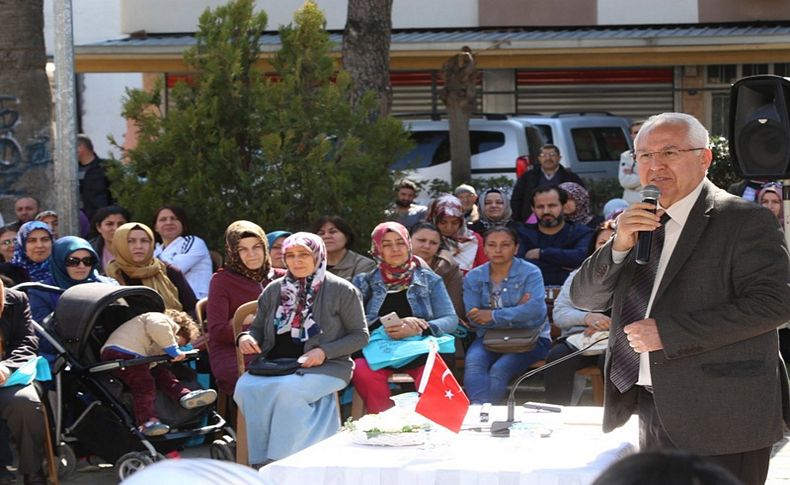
(66, 190)
(786, 210)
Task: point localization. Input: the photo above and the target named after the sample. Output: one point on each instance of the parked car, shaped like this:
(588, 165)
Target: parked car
(498, 147)
(590, 143)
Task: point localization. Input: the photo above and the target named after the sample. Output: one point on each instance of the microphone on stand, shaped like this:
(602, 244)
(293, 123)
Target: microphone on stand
(501, 429)
(650, 195)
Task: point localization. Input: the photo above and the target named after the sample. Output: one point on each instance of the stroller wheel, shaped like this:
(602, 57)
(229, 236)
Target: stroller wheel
(221, 450)
(67, 460)
(132, 462)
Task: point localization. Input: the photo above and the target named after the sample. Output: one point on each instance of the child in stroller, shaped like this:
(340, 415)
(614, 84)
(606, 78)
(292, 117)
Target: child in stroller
(154, 333)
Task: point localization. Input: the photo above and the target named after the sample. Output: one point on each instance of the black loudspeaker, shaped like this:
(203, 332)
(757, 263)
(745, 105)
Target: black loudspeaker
(760, 127)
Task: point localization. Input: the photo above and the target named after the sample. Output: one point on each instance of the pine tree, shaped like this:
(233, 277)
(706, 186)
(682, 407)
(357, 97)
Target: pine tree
(280, 151)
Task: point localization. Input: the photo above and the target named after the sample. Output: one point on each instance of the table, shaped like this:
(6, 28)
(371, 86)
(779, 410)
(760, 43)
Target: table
(576, 453)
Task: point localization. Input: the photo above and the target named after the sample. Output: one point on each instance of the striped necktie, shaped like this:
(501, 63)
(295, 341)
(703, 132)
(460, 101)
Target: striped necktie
(625, 361)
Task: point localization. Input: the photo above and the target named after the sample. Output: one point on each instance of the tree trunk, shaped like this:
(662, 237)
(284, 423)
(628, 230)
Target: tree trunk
(366, 50)
(23, 75)
(458, 95)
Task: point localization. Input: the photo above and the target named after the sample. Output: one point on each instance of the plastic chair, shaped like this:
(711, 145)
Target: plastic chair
(358, 405)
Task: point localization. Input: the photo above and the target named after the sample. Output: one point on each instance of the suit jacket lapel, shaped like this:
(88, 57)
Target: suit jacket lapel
(689, 236)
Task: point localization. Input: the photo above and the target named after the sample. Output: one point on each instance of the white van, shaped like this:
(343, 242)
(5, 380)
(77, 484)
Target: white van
(498, 147)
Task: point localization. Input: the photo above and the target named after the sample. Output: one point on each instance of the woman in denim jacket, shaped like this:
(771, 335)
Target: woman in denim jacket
(505, 292)
(399, 284)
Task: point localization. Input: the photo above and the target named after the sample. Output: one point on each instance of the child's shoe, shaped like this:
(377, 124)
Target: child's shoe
(198, 398)
(154, 427)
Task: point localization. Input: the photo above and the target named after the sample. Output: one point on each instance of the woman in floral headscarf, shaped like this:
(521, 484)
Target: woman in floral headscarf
(31, 254)
(466, 246)
(399, 284)
(577, 208)
(246, 272)
(311, 315)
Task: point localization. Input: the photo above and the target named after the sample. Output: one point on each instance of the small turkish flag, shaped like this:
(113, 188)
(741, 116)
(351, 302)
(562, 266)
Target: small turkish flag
(441, 400)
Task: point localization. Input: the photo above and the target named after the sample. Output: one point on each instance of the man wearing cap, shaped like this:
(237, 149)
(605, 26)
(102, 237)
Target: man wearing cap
(468, 197)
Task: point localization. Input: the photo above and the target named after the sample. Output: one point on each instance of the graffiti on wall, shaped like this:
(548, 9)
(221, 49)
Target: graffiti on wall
(14, 158)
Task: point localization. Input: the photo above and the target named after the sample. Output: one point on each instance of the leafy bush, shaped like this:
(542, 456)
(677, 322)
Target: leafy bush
(721, 171)
(280, 151)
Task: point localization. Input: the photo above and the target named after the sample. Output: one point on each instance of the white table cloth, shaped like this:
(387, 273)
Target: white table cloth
(576, 453)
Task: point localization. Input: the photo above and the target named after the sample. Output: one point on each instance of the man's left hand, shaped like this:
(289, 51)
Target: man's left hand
(532, 254)
(643, 336)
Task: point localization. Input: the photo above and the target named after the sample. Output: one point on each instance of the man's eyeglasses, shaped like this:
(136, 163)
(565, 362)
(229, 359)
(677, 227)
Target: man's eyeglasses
(73, 262)
(663, 155)
(7, 242)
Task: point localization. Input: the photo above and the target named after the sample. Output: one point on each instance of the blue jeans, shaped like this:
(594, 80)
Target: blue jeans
(487, 374)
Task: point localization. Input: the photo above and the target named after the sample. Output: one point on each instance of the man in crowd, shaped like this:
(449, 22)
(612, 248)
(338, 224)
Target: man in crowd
(25, 208)
(693, 345)
(468, 197)
(550, 172)
(406, 211)
(20, 406)
(627, 173)
(555, 245)
(94, 186)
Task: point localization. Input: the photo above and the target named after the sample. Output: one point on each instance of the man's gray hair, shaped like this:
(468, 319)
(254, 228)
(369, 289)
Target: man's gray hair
(697, 134)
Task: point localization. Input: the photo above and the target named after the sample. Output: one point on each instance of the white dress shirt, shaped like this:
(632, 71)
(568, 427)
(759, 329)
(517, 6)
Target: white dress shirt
(679, 213)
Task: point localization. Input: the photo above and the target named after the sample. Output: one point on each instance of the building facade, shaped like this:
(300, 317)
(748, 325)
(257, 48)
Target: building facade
(628, 57)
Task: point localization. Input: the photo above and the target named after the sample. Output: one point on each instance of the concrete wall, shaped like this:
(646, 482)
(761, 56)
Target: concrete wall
(179, 16)
(625, 12)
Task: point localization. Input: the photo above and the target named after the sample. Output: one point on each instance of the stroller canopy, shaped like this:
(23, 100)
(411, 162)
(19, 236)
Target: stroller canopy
(87, 314)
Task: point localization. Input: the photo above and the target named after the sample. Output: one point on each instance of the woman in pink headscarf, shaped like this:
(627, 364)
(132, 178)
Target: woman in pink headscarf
(404, 285)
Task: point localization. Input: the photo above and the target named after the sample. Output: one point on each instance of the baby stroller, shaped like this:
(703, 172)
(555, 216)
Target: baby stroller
(90, 409)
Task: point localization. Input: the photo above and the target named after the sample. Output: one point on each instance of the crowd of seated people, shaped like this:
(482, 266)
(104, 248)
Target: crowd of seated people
(480, 262)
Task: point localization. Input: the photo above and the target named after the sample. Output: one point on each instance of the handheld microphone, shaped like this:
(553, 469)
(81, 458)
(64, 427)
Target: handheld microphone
(501, 429)
(650, 195)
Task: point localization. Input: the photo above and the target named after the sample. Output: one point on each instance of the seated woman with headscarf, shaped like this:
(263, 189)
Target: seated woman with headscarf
(276, 240)
(308, 314)
(577, 208)
(31, 254)
(495, 211)
(465, 245)
(400, 284)
(246, 272)
(73, 262)
(134, 264)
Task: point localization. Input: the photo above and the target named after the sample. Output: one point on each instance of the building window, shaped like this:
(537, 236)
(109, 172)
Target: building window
(782, 70)
(754, 69)
(722, 74)
(720, 114)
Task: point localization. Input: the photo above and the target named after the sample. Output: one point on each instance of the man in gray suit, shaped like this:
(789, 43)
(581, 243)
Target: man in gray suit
(699, 360)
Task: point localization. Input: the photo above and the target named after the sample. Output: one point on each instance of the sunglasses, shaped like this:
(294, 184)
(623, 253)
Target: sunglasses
(73, 262)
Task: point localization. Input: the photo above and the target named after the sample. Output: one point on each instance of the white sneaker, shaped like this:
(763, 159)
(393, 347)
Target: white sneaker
(198, 398)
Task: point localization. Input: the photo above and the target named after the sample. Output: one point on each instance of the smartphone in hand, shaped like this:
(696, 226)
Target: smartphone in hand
(390, 320)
